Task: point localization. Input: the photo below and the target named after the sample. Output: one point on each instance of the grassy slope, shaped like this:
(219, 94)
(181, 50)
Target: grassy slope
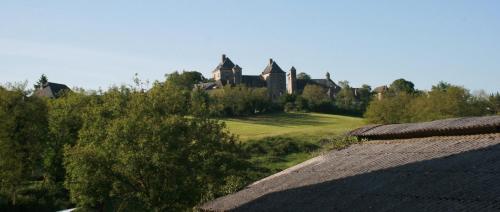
(292, 124)
(303, 127)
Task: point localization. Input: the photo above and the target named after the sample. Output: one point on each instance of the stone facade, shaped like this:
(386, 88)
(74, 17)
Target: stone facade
(291, 87)
(273, 78)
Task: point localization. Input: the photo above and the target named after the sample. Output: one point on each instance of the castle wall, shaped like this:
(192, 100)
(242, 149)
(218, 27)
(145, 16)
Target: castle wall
(276, 85)
(224, 76)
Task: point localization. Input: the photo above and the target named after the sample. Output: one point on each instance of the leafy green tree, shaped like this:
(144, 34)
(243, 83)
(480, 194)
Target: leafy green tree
(345, 99)
(23, 133)
(138, 157)
(303, 76)
(241, 100)
(389, 110)
(443, 101)
(402, 85)
(315, 96)
(170, 98)
(41, 82)
(494, 103)
(64, 122)
(365, 96)
(186, 79)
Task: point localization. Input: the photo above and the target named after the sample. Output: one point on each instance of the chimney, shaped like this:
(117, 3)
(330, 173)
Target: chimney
(223, 57)
(327, 75)
(270, 60)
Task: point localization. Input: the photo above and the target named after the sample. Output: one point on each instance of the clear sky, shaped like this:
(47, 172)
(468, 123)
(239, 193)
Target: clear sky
(94, 44)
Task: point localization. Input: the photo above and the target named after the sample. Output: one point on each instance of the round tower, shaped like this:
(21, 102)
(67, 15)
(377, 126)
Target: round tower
(292, 81)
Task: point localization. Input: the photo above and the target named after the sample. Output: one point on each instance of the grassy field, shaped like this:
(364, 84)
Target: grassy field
(292, 124)
(283, 131)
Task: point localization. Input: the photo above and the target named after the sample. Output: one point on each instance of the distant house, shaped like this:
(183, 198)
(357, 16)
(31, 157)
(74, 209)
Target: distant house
(380, 91)
(52, 90)
(444, 165)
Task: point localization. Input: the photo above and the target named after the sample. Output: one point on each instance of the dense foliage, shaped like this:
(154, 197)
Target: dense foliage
(135, 152)
(402, 103)
(23, 137)
(315, 98)
(123, 149)
(135, 148)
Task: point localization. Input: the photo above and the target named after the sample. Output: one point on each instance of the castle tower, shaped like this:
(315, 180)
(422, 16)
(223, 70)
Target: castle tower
(224, 71)
(237, 74)
(292, 81)
(275, 78)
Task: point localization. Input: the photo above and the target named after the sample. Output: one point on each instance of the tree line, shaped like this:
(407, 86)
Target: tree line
(162, 148)
(402, 103)
(121, 149)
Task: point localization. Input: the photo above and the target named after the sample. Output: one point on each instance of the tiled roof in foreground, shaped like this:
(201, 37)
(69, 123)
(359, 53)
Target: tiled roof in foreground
(454, 126)
(434, 173)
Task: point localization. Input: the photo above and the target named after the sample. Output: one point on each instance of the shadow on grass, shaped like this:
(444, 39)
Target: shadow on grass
(467, 181)
(285, 119)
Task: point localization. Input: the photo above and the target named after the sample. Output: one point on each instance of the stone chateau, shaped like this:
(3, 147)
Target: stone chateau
(273, 77)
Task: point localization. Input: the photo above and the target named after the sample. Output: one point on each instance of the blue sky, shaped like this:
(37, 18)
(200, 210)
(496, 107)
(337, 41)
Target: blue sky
(94, 44)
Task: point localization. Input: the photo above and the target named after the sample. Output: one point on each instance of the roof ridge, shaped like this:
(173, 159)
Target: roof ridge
(451, 126)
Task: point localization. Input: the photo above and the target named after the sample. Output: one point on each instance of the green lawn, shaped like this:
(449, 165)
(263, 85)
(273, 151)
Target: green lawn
(321, 130)
(292, 124)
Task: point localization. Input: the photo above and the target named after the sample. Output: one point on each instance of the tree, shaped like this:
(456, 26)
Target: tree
(494, 103)
(315, 96)
(240, 100)
(23, 133)
(402, 85)
(443, 101)
(345, 99)
(186, 79)
(41, 82)
(303, 76)
(64, 122)
(389, 110)
(131, 155)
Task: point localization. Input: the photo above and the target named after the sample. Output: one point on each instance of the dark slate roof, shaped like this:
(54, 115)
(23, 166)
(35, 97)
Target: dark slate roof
(435, 173)
(272, 67)
(226, 63)
(253, 81)
(52, 90)
(206, 85)
(326, 83)
(453, 126)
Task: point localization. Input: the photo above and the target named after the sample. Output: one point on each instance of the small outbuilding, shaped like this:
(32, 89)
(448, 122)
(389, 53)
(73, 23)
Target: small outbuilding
(444, 165)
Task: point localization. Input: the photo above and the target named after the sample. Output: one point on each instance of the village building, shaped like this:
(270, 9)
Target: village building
(272, 77)
(443, 165)
(51, 90)
(296, 86)
(228, 73)
(380, 91)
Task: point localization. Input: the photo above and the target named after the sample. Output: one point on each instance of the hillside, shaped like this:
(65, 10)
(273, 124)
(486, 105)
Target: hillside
(292, 124)
(281, 140)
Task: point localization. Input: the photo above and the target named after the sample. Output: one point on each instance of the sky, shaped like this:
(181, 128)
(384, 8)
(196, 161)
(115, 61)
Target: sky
(97, 44)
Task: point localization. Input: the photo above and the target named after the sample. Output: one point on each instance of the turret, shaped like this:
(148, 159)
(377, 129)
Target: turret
(292, 81)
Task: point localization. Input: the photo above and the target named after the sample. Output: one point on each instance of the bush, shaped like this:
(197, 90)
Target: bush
(443, 101)
(278, 146)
